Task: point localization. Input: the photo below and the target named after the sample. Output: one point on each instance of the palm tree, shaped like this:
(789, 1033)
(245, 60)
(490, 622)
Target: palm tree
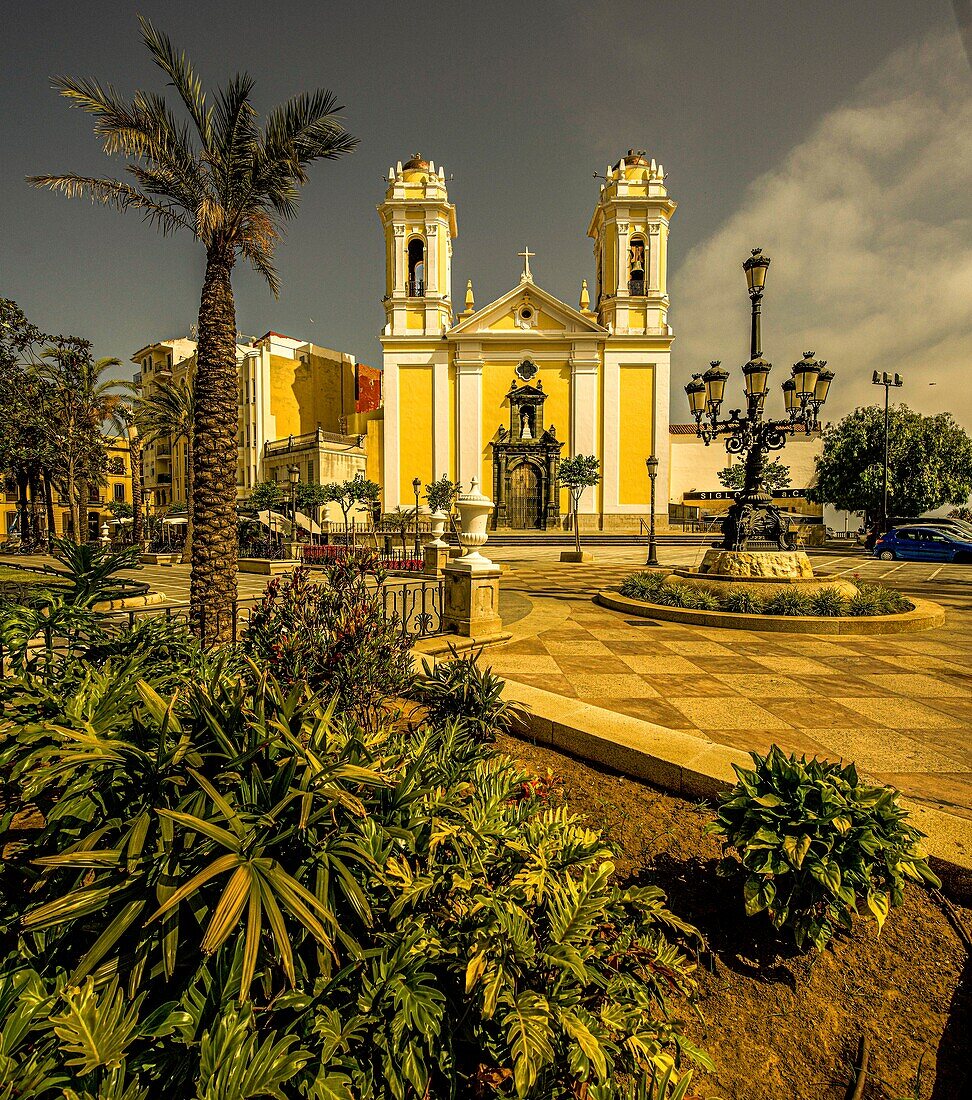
(81, 402)
(232, 186)
(168, 412)
(122, 418)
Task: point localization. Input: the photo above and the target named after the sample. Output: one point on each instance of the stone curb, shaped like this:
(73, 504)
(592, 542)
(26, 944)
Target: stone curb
(925, 616)
(688, 765)
(150, 599)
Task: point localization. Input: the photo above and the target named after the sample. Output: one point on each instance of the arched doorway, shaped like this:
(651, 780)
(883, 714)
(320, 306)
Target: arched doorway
(524, 507)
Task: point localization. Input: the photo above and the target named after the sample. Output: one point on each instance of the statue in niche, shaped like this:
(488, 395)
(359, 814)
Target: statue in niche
(553, 432)
(526, 421)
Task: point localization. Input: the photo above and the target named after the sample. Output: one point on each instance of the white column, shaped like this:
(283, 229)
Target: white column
(440, 416)
(610, 423)
(399, 260)
(584, 417)
(431, 259)
(469, 419)
(661, 437)
(390, 387)
(654, 257)
(623, 238)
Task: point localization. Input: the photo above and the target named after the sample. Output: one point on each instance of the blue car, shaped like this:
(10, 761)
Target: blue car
(923, 544)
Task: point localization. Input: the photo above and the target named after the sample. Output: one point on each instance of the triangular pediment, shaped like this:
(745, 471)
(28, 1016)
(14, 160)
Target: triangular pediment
(527, 310)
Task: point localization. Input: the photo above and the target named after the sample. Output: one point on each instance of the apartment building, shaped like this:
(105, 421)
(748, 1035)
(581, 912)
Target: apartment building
(299, 404)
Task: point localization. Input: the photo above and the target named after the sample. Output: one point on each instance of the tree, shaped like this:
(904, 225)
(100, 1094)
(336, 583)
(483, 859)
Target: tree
(347, 494)
(775, 476)
(168, 412)
(578, 473)
(232, 186)
(441, 496)
(82, 401)
(122, 420)
(929, 463)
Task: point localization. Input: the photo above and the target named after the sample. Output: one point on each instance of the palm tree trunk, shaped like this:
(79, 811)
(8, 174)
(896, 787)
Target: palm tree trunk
(49, 498)
(135, 461)
(190, 493)
(72, 494)
(212, 589)
(22, 504)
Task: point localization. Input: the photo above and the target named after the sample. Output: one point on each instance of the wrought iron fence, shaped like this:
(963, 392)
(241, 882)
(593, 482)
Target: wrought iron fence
(416, 606)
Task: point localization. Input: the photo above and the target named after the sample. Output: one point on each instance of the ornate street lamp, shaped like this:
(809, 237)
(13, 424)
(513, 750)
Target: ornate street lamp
(886, 380)
(651, 462)
(416, 487)
(753, 514)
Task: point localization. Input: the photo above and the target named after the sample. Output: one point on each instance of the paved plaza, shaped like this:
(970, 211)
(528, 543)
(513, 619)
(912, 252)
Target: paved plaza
(899, 705)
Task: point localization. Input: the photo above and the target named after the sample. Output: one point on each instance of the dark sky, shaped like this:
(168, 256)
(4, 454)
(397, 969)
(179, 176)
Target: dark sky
(522, 101)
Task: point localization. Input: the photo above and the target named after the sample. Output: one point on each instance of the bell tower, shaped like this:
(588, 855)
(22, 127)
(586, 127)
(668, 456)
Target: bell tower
(630, 232)
(420, 226)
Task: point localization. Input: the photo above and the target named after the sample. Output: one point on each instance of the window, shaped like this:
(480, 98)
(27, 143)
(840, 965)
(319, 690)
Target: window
(119, 493)
(637, 257)
(94, 495)
(416, 268)
(310, 471)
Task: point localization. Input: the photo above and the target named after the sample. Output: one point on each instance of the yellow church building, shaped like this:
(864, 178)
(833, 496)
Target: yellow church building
(504, 392)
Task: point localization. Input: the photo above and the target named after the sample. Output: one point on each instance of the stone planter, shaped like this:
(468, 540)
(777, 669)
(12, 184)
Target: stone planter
(439, 520)
(474, 512)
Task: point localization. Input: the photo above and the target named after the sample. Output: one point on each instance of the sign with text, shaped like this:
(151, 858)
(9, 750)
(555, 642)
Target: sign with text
(728, 494)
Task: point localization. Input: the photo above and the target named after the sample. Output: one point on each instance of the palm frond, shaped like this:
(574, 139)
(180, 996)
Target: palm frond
(119, 196)
(180, 72)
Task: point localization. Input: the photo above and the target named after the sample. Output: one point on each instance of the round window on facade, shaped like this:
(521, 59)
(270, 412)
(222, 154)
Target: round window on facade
(526, 313)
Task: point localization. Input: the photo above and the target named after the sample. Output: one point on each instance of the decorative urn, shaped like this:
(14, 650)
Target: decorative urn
(438, 519)
(474, 510)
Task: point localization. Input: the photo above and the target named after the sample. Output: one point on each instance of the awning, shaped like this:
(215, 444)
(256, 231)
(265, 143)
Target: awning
(174, 521)
(278, 523)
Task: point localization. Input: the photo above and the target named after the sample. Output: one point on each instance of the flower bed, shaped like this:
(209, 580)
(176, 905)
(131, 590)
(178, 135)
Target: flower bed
(871, 599)
(327, 553)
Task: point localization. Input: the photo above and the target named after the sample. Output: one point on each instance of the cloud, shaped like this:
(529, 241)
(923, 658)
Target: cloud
(869, 226)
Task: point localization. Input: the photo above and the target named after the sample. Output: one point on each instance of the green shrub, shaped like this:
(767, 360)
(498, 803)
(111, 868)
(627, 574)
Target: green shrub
(877, 599)
(789, 601)
(828, 602)
(673, 595)
(815, 841)
(458, 690)
(335, 636)
(700, 599)
(236, 892)
(643, 586)
(743, 601)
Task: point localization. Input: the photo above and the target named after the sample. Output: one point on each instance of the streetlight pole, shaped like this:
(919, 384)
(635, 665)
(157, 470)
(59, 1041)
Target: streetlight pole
(753, 514)
(293, 472)
(651, 462)
(886, 380)
(416, 486)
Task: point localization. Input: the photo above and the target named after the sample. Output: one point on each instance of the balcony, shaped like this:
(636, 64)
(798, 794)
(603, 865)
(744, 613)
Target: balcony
(636, 287)
(416, 288)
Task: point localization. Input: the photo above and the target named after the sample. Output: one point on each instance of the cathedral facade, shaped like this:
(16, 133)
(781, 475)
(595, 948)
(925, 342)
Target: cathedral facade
(504, 392)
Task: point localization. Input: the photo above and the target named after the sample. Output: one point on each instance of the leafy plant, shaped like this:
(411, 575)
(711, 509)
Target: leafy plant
(700, 599)
(672, 594)
(743, 602)
(642, 586)
(91, 571)
(459, 690)
(236, 891)
(334, 636)
(789, 601)
(828, 602)
(815, 841)
(877, 599)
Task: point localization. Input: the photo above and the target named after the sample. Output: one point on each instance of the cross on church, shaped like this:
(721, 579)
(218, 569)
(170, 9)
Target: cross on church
(526, 254)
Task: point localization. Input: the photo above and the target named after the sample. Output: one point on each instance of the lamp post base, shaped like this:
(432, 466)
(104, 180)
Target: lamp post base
(755, 517)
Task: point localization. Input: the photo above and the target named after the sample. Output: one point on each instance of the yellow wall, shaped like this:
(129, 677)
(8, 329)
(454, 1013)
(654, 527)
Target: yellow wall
(635, 442)
(453, 470)
(305, 395)
(415, 432)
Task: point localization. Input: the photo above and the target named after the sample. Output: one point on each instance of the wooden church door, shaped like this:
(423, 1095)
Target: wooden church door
(524, 506)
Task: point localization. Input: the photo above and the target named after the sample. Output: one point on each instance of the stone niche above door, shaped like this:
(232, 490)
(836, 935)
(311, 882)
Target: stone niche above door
(526, 461)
